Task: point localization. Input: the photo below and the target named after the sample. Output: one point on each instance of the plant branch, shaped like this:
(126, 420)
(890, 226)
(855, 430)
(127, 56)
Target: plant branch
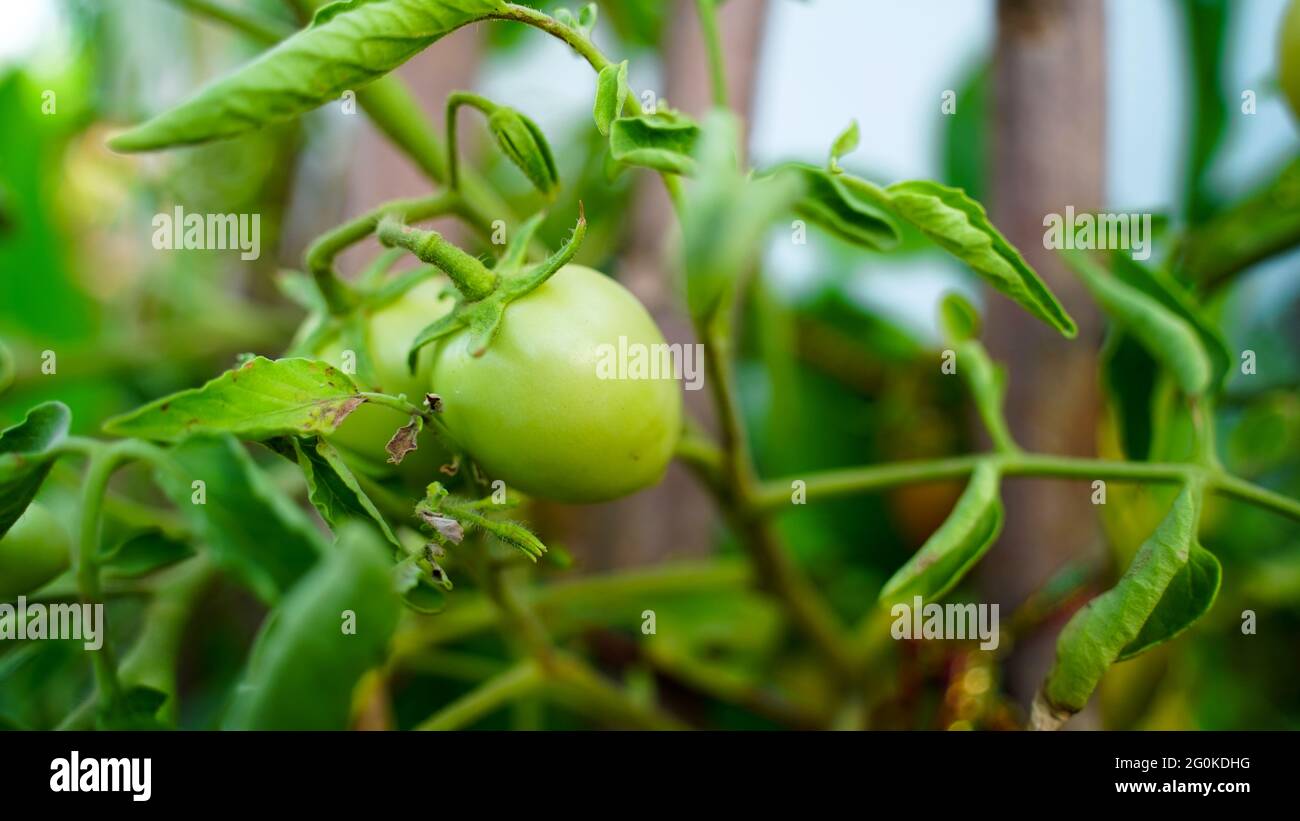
(833, 484)
(105, 459)
(521, 680)
(320, 255)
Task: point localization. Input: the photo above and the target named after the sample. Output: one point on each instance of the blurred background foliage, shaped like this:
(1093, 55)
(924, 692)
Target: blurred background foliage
(836, 370)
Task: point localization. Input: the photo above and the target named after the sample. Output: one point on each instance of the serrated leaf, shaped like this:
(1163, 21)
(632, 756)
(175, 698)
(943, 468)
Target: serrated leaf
(660, 141)
(952, 550)
(1113, 623)
(261, 399)
(960, 226)
(1165, 334)
(27, 452)
(247, 524)
(349, 44)
(849, 207)
(305, 664)
(611, 95)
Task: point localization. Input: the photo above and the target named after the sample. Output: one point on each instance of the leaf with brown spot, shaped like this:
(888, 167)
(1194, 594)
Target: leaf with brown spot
(404, 440)
(260, 400)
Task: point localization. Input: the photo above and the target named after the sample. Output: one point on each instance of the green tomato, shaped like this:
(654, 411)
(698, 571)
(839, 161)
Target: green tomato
(389, 331)
(1289, 57)
(534, 410)
(34, 551)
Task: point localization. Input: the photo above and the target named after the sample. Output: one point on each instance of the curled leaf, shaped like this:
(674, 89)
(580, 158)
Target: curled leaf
(664, 141)
(27, 453)
(1166, 335)
(611, 95)
(405, 440)
(1157, 597)
(959, 543)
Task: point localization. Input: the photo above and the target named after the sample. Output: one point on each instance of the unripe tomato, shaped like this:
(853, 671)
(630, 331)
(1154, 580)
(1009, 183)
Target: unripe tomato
(34, 551)
(533, 410)
(389, 332)
(1288, 62)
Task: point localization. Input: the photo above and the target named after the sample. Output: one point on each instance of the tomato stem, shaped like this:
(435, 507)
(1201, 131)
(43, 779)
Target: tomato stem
(472, 278)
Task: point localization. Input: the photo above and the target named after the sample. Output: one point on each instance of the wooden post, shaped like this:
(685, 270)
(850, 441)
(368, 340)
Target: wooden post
(1048, 153)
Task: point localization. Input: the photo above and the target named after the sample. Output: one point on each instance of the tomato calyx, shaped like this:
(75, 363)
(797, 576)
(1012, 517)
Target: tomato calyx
(484, 293)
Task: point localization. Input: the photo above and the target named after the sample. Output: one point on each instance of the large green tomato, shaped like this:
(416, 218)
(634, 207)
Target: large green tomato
(534, 411)
(389, 331)
(34, 551)
(1289, 58)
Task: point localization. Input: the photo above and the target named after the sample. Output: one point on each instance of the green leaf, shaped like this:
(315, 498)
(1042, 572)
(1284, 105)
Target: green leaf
(959, 543)
(849, 207)
(248, 525)
(1170, 293)
(1113, 625)
(524, 144)
(137, 709)
(958, 318)
(663, 141)
(349, 45)
(845, 143)
(1168, 337)
(331, 486)
(1263, 225)
(959, 225)
(725, 216)
(144, 552)
(1188, 597)
(27, 452)
(611, 94)
(315, 646)
(261, 399)
(1130, 376)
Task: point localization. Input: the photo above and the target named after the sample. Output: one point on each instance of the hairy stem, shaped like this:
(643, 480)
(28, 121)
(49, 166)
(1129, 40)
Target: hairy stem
(321, 253)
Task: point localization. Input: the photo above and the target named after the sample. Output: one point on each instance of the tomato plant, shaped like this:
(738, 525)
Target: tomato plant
(398, 461)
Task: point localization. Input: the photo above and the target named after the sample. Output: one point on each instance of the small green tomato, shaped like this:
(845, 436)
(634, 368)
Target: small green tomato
(34, 551)
(534, 411)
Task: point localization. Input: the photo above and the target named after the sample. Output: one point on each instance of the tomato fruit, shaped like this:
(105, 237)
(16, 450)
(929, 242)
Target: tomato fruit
(34, 551)
(1288, 62)
(533, 409)
(389, 331)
